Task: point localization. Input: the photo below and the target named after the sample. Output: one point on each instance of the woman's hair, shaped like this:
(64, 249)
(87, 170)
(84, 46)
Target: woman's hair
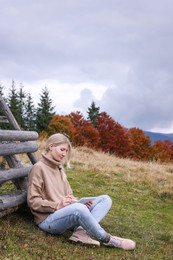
(58, 139)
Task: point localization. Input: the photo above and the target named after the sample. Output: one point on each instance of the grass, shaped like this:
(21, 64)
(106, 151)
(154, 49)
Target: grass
(142, 210)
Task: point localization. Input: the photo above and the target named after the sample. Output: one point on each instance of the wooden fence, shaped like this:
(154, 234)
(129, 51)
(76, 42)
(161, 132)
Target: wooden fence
(12, 143)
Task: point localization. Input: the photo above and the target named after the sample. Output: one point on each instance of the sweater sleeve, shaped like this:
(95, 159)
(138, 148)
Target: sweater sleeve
(35, 198)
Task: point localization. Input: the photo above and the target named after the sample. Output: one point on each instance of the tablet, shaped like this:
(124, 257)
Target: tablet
(85, 200)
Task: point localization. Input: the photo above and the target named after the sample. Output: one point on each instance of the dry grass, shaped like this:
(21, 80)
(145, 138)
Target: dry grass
(158, 176)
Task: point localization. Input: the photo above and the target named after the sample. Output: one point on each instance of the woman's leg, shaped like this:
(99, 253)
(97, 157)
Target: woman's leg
(76, 214)
(100, 207)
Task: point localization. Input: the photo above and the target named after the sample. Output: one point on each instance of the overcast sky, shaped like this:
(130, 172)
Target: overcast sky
(118, 53)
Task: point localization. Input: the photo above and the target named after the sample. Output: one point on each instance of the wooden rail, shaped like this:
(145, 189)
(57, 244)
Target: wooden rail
(17, 148)
(12, 174)
(15, 135)
(12, 199)
(12, 143)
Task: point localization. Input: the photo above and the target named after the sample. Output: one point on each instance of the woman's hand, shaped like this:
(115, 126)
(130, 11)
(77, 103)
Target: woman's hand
(89, 204)
(67, 200)
(73, 199)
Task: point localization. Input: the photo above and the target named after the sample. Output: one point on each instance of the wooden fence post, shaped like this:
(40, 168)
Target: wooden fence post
(13, 142)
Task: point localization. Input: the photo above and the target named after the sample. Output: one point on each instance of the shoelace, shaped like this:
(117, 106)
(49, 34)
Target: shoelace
(115, 241)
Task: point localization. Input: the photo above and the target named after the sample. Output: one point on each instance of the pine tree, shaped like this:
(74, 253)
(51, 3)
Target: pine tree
(2, 95)
(2, 125)
(44, 111)
(30, 114)
(13, 102)
(1, 90)
(22, 102)
(93, 113)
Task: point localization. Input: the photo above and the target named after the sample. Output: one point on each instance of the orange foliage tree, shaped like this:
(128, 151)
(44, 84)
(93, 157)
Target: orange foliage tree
(140, 145)
(85, 133)
(170, 148)
(163, 151)
(61, 124)
(113, 137)
(109, 136)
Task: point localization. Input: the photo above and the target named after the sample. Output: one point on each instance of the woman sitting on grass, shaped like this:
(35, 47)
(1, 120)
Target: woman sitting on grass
(57, 210)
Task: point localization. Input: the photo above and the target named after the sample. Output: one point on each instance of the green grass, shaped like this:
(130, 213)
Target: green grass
(137, 213)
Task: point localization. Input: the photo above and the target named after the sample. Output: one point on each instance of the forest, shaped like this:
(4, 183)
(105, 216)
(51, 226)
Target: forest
(98, 131)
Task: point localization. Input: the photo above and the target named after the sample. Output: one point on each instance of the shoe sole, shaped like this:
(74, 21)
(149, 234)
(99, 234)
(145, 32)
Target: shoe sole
(76, 240)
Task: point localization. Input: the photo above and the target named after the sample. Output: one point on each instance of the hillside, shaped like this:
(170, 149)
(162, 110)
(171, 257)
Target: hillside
(159, 136)
(141, 210)
(158, 176)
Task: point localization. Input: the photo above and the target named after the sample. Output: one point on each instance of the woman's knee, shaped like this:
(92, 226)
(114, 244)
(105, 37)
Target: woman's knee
(107, 199)
(80, 208)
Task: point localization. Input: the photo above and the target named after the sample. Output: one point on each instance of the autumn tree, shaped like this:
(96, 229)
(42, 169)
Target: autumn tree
(163, 151)
(85, 133)
(113, 137)
(140, 145)
(93, 113)
(170, 148)
(61, 124)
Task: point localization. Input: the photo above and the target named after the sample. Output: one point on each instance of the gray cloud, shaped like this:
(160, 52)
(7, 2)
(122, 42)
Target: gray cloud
(123, 45)
(84, 101)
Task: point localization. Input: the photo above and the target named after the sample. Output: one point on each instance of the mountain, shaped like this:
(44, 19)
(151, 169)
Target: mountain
(158, 136)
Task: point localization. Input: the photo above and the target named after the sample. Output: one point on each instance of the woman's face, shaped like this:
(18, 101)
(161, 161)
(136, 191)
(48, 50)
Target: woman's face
(58, 152)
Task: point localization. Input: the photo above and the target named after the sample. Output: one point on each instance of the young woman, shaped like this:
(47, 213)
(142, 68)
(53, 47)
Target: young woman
(57, 210)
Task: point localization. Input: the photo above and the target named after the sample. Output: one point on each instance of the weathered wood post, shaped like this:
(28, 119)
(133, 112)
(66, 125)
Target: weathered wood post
(13, 142)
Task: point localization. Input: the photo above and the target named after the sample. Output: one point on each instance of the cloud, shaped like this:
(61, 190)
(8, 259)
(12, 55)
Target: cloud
(118, 53)
(141, 103)
(62, 94)
(84, 101)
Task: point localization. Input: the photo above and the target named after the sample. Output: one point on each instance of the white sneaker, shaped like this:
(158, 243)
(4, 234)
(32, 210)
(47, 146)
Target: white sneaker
(81, 236)
(123, 243)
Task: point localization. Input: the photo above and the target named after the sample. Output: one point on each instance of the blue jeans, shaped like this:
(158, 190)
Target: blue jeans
(78, 214)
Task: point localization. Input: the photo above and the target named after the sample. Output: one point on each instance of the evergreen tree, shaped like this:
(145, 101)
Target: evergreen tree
(22, 102)
(93, 113)
(2, 95)
(1, 90)
(30, 114)
(13, 102)
(2, 125)
(44, 111)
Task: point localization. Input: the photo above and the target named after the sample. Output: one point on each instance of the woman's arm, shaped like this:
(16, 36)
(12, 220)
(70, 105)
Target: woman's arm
(43, 195)
(37, 203)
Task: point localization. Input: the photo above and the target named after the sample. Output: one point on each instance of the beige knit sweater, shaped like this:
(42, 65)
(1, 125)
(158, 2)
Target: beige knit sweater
(47, 186)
